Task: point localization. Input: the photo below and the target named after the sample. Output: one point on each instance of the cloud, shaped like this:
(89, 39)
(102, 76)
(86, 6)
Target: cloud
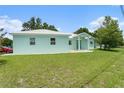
(95, 24)
(58, 28)
(121, 25)
(10, 25)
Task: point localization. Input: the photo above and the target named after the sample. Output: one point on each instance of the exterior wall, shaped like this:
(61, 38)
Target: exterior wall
(74, 44)
(21, 44)
(91, 45)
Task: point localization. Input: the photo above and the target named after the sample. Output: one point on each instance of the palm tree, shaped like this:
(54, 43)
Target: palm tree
(32, 24)
(38, 23)
(45, 26)
(52, 27)
(35, 23)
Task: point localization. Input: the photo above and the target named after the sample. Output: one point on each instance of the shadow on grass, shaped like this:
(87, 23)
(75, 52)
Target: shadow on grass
(106, 66)
(111, 50)
(3, 62)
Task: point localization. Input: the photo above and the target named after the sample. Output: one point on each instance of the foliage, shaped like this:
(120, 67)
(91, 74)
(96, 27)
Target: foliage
(35, 23)
(45, 26)
(1, 35)
(109, 34)
(52, 27)
(81, 30)
(4, 41)
(32, 24)
(7, 42)
(38, 23)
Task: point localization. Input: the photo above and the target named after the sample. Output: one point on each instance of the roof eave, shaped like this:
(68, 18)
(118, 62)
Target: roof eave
(38, 34)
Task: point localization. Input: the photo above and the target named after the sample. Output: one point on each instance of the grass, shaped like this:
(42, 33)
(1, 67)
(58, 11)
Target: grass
(96, 69)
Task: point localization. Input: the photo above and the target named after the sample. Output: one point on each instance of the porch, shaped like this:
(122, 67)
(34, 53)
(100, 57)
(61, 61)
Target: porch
(82, 42)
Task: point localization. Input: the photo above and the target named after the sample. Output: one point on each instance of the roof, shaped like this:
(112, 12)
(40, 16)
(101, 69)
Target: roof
(40, 32)
(73, 35)
(84, 34)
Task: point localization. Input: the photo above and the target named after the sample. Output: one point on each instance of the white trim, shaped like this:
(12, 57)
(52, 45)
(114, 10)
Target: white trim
(79, 43)
(82, 35)
(88, 43)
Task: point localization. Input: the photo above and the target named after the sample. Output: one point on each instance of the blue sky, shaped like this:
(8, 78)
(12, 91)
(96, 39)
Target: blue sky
(66, 18)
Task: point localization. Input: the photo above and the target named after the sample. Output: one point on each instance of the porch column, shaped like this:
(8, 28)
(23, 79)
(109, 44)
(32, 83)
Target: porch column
(78, 43)
(88, 42)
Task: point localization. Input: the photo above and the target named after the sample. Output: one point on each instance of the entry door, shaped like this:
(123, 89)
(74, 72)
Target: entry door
(81, 44)
(76, 44)
(84, 44)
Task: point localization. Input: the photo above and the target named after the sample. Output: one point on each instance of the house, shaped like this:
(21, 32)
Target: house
(47, 42)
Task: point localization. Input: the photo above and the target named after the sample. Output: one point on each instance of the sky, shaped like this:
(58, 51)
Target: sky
(65, 18)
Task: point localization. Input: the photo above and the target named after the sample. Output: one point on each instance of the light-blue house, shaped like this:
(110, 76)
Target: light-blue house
(49, 42)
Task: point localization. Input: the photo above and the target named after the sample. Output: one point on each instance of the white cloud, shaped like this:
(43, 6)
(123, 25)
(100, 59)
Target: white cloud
(58, 28)
(121, 23)
(98, 23)
(10, 25)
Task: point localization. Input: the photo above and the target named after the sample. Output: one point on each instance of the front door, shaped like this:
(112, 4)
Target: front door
(81, 44)
(84, 44)
(76, 44)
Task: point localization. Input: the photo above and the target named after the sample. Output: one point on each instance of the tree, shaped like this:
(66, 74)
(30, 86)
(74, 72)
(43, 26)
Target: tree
(109, 34)
(7, 42)
(52, 27)
(1, 36)
(35, 23)
(45, 26)
(38, 23)
(32, 24)
(81, 30)
(26, 26)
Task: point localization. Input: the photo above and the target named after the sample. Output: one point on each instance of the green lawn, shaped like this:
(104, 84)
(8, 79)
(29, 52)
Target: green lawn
(96, 69)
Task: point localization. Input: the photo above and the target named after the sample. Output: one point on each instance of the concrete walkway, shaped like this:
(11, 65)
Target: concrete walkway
(78, 51)
(72, 51)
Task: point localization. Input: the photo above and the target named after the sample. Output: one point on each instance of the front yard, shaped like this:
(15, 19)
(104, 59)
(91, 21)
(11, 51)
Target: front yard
(95, 69)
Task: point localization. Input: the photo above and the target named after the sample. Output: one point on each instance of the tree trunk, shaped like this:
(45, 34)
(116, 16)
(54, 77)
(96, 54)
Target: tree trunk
(100, 46)
(109, 47)
(105, 46)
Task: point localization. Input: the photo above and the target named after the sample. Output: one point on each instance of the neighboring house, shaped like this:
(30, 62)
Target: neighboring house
(47, 42)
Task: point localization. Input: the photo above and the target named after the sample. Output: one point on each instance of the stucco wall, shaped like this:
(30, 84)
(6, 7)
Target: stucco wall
(74, 44)
(21, 44)
(91, 45)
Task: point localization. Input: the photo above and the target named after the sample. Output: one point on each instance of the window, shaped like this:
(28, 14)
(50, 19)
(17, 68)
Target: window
(70, 43)
(32, 41)
(91, 42)
(52, 41)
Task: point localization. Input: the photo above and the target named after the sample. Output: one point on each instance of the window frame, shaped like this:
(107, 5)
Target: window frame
(32, 41)
(52, 41)
(91, 42)
(70, 42)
